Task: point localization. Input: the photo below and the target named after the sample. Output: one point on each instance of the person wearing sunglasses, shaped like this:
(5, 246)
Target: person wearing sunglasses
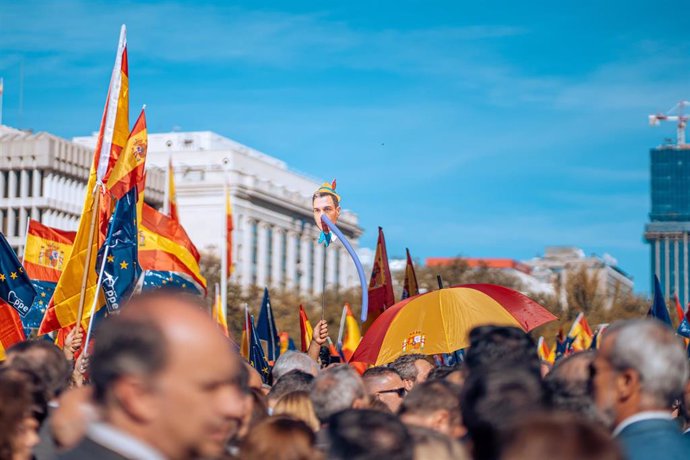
(385, 384)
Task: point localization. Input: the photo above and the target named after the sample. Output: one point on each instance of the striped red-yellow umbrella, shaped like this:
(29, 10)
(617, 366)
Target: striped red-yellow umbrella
(440, 321)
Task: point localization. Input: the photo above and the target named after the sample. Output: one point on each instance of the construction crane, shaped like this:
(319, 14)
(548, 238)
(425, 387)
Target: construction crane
(677, 113)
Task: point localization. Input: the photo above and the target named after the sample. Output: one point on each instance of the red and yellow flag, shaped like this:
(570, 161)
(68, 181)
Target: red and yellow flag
(112, 138)
(679, 310)
(306, 332)
(128, 170)
(545, 354)
(164, 245)
(172, 195)
(46, 252)
(351, 335)
(245, 344)
(11, 330)
(218, 315)
(229, 227)
(410, 287)
(580, 333)
(380, 285)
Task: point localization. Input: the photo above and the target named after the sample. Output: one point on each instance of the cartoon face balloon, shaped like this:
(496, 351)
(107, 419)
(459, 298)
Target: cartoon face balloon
(326, 201)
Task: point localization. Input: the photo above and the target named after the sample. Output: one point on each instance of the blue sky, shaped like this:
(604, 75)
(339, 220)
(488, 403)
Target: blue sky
(488, 128)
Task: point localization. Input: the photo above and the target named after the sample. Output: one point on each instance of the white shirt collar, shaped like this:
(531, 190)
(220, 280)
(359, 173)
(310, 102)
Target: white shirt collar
(123, 443)
(686, 431)
(647, 415)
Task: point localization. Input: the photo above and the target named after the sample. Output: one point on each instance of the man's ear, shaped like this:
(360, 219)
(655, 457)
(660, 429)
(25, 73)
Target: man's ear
(627, 384)
(440, 421)
(135, 396)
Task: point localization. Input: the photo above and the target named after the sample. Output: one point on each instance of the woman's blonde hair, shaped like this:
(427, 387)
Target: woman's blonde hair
(298, 405)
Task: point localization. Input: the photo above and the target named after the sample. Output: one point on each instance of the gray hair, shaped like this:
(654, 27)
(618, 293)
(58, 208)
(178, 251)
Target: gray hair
(652, 349)
(291, 360)
(336, 389)
(405, 366)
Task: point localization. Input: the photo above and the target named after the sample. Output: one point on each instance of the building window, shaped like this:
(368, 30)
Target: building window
(17, 221)
(29, 179)
(6, 184)
(283, 259)
(269, 256)
(3, 224)
(255, 231)
(17, 184)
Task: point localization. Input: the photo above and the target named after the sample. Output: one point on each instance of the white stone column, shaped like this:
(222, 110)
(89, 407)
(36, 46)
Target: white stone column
(331, 275)
(246, 256)
(305, 264)
(262, 255)
(23, 183)
(11, 215)
(344, 262)
(667, 267)
(23, 217)
(36, 184)
(12, 184)
(291, 268)
(318, 268)
(277, 257)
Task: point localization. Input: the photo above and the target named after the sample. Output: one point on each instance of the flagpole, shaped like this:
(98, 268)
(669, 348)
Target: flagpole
(224, 248)
(89, 251)
(95, 299)
(323, 284)
(341, 329)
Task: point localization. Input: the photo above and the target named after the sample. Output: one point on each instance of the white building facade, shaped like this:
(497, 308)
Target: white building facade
(274, 237)
(44, 177)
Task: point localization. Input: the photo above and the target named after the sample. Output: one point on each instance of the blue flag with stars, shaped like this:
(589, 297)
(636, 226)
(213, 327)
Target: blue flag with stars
(15, 287)
(121, 269)
(44, 291)
(658, 309)
(257, 359)
(155, 279)
(266, 328)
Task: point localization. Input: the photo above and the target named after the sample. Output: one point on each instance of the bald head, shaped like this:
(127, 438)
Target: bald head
(163, 372)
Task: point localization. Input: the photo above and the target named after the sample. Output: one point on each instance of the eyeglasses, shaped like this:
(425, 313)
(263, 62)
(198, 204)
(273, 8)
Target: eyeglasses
(399, 391)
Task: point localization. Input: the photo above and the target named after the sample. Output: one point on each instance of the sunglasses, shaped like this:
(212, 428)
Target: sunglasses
(399, 391)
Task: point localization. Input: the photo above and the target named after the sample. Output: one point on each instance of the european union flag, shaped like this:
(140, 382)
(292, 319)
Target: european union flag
(257, 359)
(44, 291)
(155, 279)
(658, 309)
(121, 267)
(266, 328)
(15, 286)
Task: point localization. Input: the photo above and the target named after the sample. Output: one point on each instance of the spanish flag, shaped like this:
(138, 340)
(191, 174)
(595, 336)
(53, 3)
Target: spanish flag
(410, 287)
(580, 333)
(165, 246)
(112, 138)
(46, 251)
(171, 201)
(128, 170)
(545, 354)
(305, 330)
(218, 315)
(380, 285)
(351, 335)
(229, 227)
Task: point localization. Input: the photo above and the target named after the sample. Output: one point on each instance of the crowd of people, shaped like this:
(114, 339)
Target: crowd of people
(162, 382)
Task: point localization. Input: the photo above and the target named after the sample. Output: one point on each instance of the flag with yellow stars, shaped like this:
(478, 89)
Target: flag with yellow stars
(15, 287)
(120, 268)
(257, 359)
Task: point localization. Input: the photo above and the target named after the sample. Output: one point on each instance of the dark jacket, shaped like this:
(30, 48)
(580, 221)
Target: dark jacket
(654, 439)
(90, 450)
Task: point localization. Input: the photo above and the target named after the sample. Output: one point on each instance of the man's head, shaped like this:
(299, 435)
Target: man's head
(568, 386)
(492, 400)
(294, 360)
(413, 369)
(499, 347)
(385, 384)
(325, 203)
(640, 366)
(435, 405)
(163, 372)
(292, 381)
(368, 435)
(44, 360)
(335, 389)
